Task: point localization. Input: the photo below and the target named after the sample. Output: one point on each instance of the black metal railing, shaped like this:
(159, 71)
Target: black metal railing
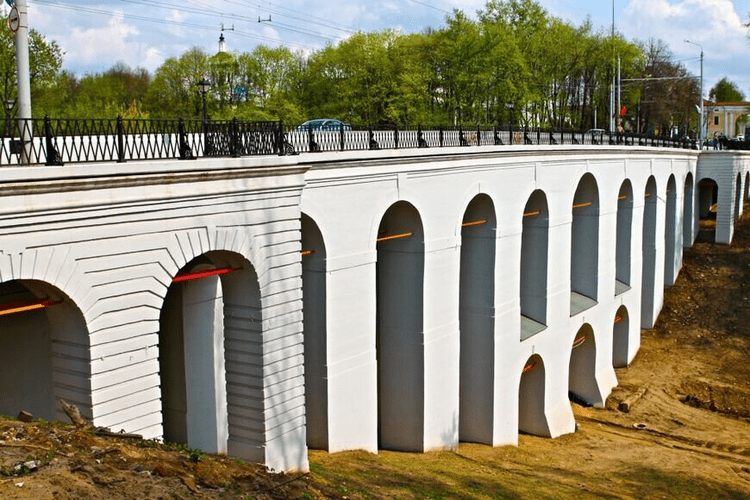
(59, 141)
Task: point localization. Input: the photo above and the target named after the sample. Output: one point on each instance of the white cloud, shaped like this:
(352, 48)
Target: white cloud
(714, 24)
(177, 17)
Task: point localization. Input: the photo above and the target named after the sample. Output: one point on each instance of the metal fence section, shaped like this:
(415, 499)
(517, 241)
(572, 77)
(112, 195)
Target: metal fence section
(60, 141)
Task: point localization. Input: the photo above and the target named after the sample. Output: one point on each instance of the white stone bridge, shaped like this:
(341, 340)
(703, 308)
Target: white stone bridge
(391, 299)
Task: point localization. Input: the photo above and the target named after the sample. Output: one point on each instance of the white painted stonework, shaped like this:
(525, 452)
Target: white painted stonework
(400, 299)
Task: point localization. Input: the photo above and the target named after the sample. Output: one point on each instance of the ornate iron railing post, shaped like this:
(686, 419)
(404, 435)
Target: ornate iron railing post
(120, 140)
(510, 131)
(206, 143)
(341, 136)
(185, 152)
(421, 142)
(279, 141)
(312, 146)
(52, 156)
(440, 136)
(233, 149)
(479, 135)
(395, 137)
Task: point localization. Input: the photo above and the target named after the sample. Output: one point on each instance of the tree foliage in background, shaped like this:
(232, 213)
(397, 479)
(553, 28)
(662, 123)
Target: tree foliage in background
(514, 64)
(726, 91)
(47, 81)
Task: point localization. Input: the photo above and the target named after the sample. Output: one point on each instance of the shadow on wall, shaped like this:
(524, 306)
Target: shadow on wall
(44, 347)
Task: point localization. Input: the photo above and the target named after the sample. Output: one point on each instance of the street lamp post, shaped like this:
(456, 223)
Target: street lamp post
(8, 103)
(203, 87)
(700, 133)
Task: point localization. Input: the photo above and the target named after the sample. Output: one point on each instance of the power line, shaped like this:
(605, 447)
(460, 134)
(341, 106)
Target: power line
(430, 6)
(218, 14)
(304, 16)
(162, 21)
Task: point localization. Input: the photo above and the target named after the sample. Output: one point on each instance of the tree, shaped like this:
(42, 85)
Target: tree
(173, 92)
(45, 63)
(726, 91)
(118, 91)
(669, 92)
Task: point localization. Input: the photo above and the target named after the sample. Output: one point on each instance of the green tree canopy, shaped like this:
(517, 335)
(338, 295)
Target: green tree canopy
(45, 62)
(726, 91)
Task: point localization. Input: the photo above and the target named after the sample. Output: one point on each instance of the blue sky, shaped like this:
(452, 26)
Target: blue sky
(97, 34)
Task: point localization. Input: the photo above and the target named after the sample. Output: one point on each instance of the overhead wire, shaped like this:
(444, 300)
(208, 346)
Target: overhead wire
(162, 21)
(219, 14)
(303, 16)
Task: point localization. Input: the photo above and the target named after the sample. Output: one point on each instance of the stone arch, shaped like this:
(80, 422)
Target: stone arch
(623, 243)
(314, 303)
(584, 246)
(582, 383)
(477, 320)
(747, 186)
(211, 357)
(532, 418)
(688, 223)
(708, 197)
(534, 262)
(399, 328)
(43, 347)
(620, 338)
(648, 281)
(671, 250)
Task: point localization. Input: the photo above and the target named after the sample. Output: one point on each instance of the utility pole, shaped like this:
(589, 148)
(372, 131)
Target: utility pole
(19, 23)
(700, 133)
(612, 111)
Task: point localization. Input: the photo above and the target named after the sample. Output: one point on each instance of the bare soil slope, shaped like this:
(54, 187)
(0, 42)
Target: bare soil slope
(688, 436)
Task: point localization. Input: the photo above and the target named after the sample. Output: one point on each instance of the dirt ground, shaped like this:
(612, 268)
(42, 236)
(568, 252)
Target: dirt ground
(688, 436)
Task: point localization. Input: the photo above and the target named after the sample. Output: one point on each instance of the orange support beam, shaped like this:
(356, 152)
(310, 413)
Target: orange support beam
(196, 275)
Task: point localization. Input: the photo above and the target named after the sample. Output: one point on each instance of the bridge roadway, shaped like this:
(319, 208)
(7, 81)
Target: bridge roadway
(399, 299)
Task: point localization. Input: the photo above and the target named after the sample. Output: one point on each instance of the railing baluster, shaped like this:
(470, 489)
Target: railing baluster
(120, 141)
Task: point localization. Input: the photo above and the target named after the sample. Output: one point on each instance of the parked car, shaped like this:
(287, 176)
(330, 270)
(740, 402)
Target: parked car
(324, 124)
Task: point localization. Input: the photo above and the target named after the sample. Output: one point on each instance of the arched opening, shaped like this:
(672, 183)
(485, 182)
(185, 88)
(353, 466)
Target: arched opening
(623, 243)
(44, 347)
(211, 357)
(584, 243)
(708, 197)
(687, 215)
(399, 329)
(737, 197)
(477, 321)
(531, 416)
(314, 327)
(671, 255)
(534, 249)
(747, 186)
(649, 255)
(620, 338)
(582, 385)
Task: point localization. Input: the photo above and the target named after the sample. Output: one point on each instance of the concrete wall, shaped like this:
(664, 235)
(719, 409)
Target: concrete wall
(459, 331)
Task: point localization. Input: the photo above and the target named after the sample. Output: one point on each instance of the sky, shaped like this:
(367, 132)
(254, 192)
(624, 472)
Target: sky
(142, 33)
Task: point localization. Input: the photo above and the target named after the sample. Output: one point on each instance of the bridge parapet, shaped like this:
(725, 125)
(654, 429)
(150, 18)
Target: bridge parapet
(56, 142)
